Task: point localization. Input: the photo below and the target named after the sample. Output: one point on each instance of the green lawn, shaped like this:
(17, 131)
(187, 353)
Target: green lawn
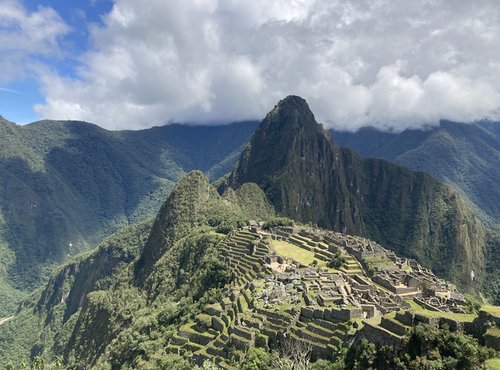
(493, 364)
(300, 255)
(415, 307)
(493, 310)
(493, 331)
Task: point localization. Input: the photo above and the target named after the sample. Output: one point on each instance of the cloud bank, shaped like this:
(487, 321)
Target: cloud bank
(27, 39)
(389, 64)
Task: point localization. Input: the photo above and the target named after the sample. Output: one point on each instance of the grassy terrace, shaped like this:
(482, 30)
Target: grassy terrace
(300, 255)
(494, 331)
(492, 310)
(493, 364)
(449, 315)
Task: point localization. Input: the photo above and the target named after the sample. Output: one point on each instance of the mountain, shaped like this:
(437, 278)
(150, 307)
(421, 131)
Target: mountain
(198, 287)
(65, 185)
(467, 156)
(307, 177)
(151, 275)
(216, 276)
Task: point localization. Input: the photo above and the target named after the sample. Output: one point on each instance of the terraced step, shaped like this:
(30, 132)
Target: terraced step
(242, 332)
(201, 356)
(174, 349)
(326, 324)
(253, 322)
(381, 335)
(351, 271)
(324, 254)
(198, 337)
(314, 345)
(178, 340)
(304, 333)
(394, 326)
(317, 329)
(192, 347)
(241, 343)
(242, 240)
(216, 351)
(341, 335)
(336, 342)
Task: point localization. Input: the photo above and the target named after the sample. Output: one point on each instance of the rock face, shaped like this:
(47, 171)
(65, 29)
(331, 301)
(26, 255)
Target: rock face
(309, 178)
(297, 164)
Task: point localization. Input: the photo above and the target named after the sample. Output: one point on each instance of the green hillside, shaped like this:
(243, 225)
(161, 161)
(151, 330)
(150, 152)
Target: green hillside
(216, 281)
(67, 185)
(150, 273)
(467, 156)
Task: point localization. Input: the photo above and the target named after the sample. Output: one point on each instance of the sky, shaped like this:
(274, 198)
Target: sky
(129, 64)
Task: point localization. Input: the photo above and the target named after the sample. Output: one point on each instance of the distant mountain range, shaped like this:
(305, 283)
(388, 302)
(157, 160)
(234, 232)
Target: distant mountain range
(466, 156)
(65, 185)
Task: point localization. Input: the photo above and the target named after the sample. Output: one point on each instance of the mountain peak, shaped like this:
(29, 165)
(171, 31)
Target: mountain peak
(293, 101)
(288, 145)
(292, 111)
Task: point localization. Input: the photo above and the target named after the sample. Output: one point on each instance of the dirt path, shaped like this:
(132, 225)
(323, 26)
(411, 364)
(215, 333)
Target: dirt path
(5, 319)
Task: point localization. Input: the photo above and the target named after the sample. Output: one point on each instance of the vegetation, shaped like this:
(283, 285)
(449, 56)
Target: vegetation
(277, 222)
(145, 282)
(427, 347)
(337, 261)
(493, 364)
(133, 309)
(467, 156)
(67, 185)
(454, 316)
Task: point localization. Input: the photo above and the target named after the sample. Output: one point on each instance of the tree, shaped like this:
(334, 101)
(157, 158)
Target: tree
(294, 354)
(57, 363)
(38, 363)
(361, 356)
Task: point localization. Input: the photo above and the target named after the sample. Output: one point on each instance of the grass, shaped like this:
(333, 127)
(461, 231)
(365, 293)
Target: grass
(298, 254)
(493, 331)
(416, 308)
(493, 310)
(493, 364)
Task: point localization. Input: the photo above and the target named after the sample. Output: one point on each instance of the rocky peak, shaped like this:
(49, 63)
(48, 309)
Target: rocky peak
(288, 135)
(292, 111)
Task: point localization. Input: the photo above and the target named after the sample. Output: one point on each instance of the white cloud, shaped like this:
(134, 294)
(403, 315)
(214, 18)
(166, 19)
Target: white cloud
(389, 64)
(25, 37)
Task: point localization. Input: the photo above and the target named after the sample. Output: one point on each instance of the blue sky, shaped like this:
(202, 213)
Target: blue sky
(129, 64)
(18, 97)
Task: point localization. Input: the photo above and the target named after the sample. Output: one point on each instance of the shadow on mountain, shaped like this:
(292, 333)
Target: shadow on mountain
(90, 182)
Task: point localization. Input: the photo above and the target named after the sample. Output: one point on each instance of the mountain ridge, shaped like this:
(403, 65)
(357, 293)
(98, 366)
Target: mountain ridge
(465, 155)
(66, 185)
